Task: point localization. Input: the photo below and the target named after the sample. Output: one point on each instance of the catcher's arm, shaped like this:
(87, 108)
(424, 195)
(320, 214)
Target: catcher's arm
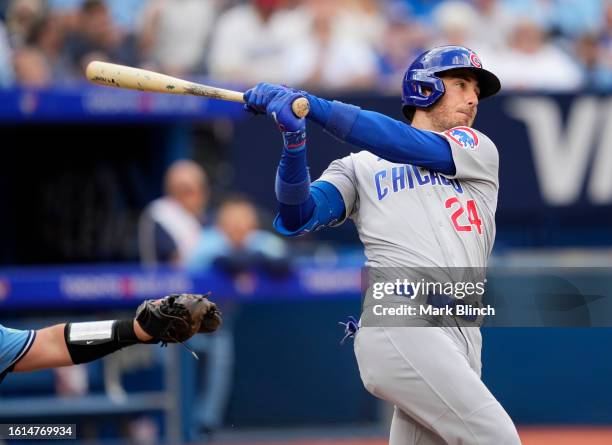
(171, 319)
(50, 350)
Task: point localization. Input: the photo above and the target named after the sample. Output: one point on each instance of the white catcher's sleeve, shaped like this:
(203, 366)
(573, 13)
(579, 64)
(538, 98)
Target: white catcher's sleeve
(341, 174)
(475, 155)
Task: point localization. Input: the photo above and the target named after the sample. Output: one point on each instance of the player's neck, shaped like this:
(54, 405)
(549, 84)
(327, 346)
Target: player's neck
(422, 122)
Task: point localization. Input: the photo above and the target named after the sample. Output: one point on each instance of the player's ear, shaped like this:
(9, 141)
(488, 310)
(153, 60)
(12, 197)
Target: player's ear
(426, 91)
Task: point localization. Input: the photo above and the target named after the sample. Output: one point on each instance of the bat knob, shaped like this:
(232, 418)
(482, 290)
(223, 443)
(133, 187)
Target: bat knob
(300, 107)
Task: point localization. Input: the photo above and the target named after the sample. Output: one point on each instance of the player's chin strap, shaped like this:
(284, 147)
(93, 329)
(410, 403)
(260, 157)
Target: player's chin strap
(350, 328)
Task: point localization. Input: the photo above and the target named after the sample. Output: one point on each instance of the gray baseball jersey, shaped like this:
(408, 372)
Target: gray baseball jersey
(408, 216)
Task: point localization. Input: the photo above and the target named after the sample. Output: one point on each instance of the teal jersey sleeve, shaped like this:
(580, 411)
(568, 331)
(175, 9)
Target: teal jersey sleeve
(14, 344)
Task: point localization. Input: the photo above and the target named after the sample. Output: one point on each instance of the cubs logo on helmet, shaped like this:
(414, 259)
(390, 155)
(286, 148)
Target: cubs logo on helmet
(464, 136)
(475, 60)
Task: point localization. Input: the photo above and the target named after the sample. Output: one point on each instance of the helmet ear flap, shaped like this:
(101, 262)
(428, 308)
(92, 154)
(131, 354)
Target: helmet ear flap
(408, 112)
(421, 90)
(431, 89)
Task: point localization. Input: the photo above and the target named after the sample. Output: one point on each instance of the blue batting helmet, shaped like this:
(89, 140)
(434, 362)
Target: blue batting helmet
(424, 72)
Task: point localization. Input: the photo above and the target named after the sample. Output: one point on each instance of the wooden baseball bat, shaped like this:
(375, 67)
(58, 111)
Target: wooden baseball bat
(110, 74)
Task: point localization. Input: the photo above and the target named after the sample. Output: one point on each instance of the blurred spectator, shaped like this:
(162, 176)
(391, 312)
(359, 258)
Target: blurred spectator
(533, 62)
(587, 47)
(422, 10)
(601, 72)
(361, 19)
(97, 37)
(174, 34)
(169, 230)
(170, 227)
(256, 42)
(237, 244)
(65, 5)
(483, 26)
(41, 62)
(493, 26)
(541, 12)
(573, 18)
(596, 75)
(31, 68)
(455, 22)
(318, 44)
(6, 67)
(124, 13)
(334, 59)
(21, 17)
(403, 40)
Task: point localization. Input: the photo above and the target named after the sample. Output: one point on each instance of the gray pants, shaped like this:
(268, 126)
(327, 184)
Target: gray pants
(432, 376)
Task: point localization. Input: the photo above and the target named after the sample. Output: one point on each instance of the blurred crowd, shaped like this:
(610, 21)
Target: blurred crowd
(180, 228)
(555, 45)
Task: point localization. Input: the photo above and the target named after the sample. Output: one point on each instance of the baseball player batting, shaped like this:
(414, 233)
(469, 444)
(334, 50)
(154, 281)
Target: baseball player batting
(421, 195)
(173, 319)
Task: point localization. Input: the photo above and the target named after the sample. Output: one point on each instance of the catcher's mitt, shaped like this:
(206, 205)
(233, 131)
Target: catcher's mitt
(177, 318)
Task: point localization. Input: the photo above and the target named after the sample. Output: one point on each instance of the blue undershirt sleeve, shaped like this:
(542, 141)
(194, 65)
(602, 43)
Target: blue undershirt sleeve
(323, 207)
(320, 109)
(303, 206)
(385, 137)
(399, 142)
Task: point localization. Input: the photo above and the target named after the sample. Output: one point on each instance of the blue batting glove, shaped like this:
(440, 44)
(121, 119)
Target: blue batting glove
(257, 98)
(280, 109)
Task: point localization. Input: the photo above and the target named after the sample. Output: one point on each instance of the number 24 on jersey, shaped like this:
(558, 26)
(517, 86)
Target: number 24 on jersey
(458, 218)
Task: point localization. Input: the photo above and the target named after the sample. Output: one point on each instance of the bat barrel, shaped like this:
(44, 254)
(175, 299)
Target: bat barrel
(120, 76)
(110, 74)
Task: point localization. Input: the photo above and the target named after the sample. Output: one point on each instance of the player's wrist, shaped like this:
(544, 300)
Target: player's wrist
(319, 109)
(321, 106)
(294, 140)
(88, 341)
(140, 333)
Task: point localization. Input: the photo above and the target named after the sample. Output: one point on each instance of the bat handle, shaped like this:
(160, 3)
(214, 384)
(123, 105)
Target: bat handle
(300, 107)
